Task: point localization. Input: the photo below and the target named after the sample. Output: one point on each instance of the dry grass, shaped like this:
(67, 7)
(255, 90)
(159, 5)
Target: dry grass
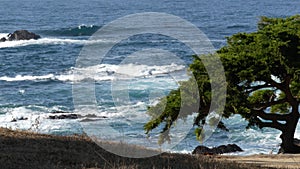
(23, 149)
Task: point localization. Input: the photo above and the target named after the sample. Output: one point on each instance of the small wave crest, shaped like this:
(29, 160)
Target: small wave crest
(81, 30)
(237, 26)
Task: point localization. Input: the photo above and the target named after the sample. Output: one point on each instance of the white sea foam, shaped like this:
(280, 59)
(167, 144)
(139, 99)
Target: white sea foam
(46, 41)
(27, 78)
(62, 41)
(101, 72)
(3, 35)
(36, 118)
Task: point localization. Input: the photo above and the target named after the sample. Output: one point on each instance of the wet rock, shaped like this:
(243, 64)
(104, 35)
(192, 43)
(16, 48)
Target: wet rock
(23, 118)
(17, 119)
(58, 111)
(230, 148)
(202, 150)
(91, 116)
(64, 116)
(3, 39)
(22, 35)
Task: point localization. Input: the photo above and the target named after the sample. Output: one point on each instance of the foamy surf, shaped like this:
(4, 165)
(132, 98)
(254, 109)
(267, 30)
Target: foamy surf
(3, 35)
(67, 41)
(46, 41)
(102, 72)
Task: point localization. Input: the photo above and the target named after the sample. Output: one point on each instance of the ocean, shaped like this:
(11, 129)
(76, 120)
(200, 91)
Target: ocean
(37, 76)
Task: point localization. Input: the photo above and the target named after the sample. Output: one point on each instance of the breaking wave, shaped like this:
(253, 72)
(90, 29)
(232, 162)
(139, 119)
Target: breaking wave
(102, 72)
(46, 41)
(81, 30)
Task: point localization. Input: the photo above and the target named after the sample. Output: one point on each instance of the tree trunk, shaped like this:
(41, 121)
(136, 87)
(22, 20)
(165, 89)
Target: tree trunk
(288, 145)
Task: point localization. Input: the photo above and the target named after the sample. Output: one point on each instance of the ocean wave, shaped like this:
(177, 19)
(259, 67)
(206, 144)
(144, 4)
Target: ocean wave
(61, 41)
(102, 72)
(35, 118)
(238, 26)
(52, 39)
(81, 30)
(47, 41)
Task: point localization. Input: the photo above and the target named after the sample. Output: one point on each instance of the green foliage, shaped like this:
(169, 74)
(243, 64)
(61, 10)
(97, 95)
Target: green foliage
(261, 96)
(262, 76)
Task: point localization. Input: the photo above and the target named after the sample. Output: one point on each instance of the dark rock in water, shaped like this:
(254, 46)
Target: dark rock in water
(58, 111)
(22, 35)
(68, 115)
(88, 116)
(91, 116)
(64, 116)
(202, 150)
(16, 119)
(23, 118)
(230, 148)
(3, 39)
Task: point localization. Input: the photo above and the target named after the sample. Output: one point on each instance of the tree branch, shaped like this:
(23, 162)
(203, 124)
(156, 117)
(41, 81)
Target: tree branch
(253, 88)
(277, 85)
(261, 106)
(273, 124)
(269, 116)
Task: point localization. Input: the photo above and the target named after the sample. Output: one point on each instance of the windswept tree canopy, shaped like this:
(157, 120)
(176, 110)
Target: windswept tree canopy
(263, 82)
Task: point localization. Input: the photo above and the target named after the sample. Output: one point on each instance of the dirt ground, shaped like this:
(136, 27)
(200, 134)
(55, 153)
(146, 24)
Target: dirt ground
(23, 149)
(275, 160)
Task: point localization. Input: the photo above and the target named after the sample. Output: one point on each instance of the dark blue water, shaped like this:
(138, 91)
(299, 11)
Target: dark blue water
(36, 76)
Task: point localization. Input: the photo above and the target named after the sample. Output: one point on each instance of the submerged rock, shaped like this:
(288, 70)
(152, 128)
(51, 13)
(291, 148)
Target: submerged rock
(230, 148)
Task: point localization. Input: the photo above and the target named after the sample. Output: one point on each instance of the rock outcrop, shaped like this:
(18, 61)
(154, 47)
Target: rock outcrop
(69, 115)
(64, 116)
(20, 35)
(230, 148)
